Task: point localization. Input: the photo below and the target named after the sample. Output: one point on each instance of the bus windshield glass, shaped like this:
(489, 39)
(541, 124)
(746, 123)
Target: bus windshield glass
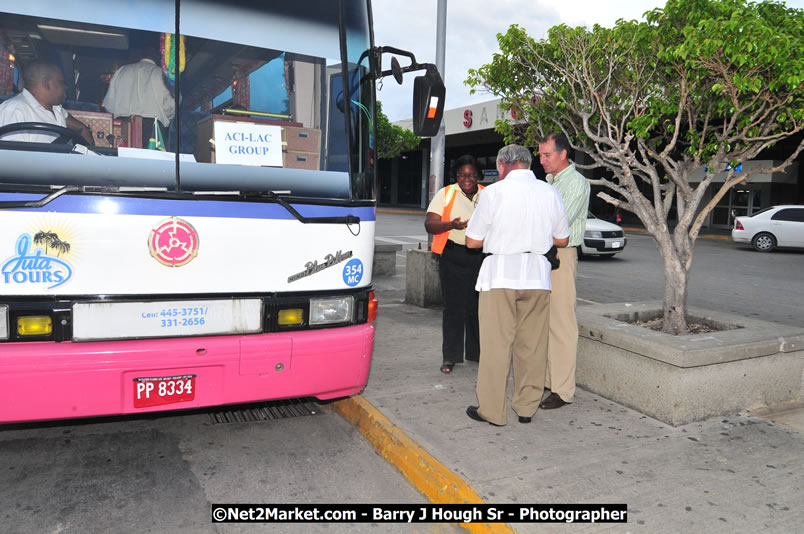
(241, 96)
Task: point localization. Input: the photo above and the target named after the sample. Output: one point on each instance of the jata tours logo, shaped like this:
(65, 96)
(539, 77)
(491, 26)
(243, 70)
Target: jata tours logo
(173, 242)
(35, 262)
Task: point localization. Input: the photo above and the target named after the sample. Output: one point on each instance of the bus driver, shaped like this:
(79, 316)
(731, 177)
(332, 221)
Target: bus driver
(41, 101)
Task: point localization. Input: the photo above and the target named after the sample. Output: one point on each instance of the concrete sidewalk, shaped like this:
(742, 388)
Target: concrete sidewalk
(742, 473)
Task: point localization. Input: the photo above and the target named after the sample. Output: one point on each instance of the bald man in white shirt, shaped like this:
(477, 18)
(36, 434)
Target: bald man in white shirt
(41, 100)
(517, 220)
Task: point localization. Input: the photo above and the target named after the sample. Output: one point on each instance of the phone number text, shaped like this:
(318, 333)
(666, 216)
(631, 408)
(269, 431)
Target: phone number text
(166, 313)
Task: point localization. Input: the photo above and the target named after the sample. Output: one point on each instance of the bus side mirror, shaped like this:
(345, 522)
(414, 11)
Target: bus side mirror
(428, 103)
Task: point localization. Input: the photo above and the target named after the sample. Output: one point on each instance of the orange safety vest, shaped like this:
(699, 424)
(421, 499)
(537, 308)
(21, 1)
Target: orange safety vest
(440, 240)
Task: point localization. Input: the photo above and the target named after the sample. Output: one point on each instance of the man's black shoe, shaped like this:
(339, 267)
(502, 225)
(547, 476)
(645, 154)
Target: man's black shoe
(524, 419)
(471, 411)
(552, 401)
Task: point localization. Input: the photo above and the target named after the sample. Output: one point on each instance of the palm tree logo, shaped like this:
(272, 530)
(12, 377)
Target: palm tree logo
(51, 240)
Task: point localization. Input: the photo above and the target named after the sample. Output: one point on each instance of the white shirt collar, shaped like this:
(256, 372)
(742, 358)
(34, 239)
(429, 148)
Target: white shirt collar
(32, 101)
(520, 174)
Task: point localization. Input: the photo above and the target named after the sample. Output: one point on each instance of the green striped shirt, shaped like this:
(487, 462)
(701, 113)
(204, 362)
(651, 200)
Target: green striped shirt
(574, 190)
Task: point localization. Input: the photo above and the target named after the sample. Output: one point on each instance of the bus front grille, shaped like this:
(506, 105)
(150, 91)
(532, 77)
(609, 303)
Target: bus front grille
(264, 411)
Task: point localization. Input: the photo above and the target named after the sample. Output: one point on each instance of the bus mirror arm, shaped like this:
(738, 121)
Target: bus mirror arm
(429, 92)
(396, 69)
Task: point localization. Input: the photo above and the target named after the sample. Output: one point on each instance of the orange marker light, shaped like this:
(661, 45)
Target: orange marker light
(372, 307)
(431, 111)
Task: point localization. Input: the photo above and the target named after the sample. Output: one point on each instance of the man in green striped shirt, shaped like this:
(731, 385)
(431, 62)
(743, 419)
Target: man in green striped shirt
(563, 343)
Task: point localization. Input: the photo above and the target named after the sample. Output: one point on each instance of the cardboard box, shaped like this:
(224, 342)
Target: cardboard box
(301, 139)
(292, 159)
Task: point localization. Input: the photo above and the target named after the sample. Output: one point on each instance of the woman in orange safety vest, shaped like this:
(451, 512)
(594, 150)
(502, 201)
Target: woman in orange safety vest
(458, 266)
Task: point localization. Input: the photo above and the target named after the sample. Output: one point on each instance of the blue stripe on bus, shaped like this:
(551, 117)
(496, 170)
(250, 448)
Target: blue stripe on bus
(184, 208)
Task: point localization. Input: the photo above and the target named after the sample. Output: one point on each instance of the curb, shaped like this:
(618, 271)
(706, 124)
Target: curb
(434, 480)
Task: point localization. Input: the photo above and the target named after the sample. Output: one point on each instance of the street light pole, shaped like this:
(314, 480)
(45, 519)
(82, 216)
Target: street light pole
(436, 181)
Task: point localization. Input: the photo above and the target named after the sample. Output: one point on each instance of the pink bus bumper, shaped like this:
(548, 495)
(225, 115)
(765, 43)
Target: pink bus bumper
(64, 380)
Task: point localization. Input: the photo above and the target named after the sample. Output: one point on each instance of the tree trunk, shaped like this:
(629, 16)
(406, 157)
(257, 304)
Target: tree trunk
(675, 293)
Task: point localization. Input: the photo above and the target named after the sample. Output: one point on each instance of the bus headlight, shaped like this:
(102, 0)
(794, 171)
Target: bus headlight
(331, 310)
(3, 322)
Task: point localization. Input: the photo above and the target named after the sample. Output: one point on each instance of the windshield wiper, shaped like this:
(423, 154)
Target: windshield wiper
(13, 204)
(16, 204)
(275, 196)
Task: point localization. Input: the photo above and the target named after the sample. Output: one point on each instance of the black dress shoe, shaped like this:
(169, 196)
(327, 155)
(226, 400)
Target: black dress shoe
(524, 420)
(552, 401)
(471, 411)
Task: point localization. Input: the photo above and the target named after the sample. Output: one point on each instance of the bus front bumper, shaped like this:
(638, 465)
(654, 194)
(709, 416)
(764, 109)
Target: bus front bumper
(48, 380)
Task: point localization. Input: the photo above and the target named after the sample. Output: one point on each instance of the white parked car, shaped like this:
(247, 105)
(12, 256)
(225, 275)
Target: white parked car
(777, 226)
(601, 238)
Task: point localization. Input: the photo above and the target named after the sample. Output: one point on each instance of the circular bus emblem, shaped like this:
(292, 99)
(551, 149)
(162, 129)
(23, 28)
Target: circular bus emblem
(173, 242)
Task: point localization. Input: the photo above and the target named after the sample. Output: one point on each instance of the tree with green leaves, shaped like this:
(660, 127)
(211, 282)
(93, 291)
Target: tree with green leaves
(392, 140)
(700, 85)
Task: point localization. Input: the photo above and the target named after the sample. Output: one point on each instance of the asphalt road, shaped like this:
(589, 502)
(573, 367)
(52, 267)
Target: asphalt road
(161, 473)
(725, 276)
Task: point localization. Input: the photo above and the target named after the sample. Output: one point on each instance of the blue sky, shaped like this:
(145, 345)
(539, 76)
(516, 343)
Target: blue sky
(472, 27)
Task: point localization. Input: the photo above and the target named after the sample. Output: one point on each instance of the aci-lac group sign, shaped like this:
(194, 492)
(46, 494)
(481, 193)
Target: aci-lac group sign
(242, 143)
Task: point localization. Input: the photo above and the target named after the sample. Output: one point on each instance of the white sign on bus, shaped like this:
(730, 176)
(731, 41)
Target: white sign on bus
(242, 143)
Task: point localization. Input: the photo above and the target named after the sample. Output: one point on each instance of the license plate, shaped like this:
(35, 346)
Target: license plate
(616, 244)
(156, 391)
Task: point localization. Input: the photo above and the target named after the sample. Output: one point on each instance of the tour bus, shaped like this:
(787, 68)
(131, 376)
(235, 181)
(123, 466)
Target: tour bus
(223, 257)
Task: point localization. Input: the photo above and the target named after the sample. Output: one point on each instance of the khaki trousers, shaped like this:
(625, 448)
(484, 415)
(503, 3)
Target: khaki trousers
(563, 345)
(512, 323)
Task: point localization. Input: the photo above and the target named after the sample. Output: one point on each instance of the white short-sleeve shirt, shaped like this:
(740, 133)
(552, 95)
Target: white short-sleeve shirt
(517, 219)
(26, 108)
(138, 89)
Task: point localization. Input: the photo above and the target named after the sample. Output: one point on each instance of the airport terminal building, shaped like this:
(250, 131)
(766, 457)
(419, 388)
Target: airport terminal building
(404, 181)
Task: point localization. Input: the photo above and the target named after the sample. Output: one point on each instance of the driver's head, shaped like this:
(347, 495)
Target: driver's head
(45, 82)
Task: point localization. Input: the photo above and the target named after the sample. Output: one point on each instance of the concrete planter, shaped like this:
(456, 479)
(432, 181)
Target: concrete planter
(681, 379)
(422, 283)
(385, 259)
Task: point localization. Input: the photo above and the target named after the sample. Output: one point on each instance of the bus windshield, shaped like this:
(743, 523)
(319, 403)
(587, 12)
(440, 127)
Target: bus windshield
(242, 96)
